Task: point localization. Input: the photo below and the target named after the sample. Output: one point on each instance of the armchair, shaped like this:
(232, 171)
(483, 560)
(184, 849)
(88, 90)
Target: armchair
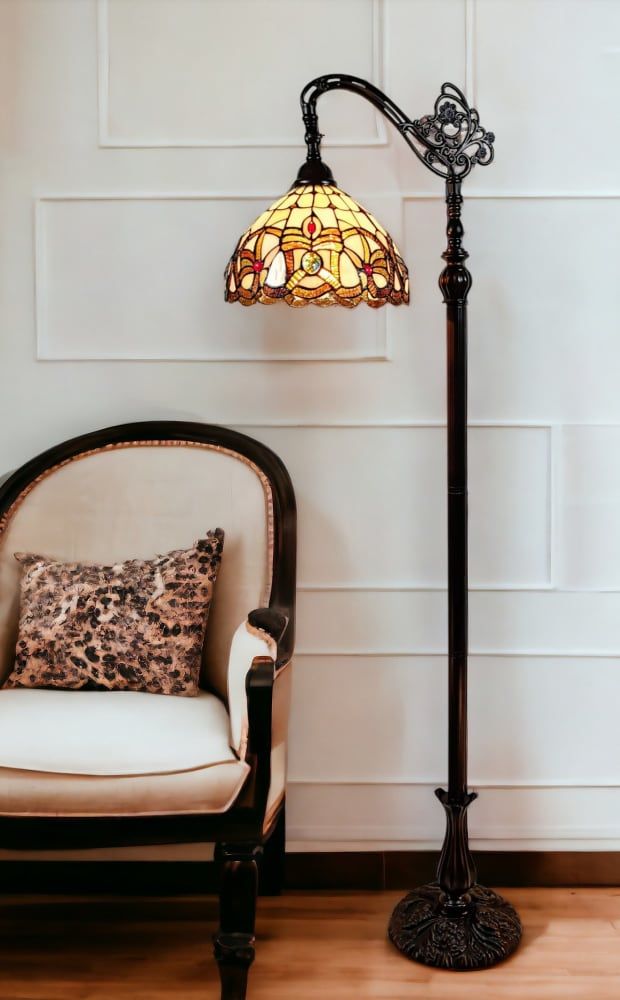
(93, 768)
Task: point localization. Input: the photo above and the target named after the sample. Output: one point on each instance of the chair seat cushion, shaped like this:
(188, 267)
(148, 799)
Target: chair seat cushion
(115, 753)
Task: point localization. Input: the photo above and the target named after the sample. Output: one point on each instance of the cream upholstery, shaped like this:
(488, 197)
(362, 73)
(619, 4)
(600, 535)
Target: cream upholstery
(246, 644)
(137, 501)
(113, 752)
(111, 732)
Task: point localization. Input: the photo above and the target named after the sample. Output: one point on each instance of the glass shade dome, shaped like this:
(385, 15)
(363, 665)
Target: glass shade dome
(316, 245)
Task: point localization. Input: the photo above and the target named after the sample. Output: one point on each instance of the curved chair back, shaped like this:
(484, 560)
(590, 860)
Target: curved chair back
(142, 489)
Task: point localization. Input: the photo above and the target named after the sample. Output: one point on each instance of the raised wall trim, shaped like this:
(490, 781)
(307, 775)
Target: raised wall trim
(470, 52)
(431, 783)
(499, 654)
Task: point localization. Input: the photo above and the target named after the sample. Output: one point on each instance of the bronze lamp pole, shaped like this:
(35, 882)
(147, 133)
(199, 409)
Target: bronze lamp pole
(317, 245)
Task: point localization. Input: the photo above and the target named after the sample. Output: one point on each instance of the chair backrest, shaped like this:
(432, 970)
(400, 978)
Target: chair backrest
(142, 489)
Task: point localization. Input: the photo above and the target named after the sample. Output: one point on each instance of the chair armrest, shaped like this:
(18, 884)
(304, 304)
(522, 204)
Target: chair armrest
(269, 621)
(273, 624)
(259, 638)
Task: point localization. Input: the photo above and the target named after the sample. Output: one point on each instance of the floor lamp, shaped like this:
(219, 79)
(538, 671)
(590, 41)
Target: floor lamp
(317, 245)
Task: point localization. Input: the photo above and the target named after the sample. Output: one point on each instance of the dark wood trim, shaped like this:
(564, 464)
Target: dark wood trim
(333, 870)
(514, 868)
(367, 870)
(404, 869)
(126, 878)
(271, 872)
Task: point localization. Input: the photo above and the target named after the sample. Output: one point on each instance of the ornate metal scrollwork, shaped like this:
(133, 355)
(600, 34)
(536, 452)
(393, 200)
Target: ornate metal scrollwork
(453, 137)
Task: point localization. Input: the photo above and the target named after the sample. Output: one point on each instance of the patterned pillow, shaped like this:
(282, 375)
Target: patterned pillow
(135, 626)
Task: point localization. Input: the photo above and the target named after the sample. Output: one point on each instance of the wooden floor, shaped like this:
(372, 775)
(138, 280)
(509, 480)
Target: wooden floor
(310, 947)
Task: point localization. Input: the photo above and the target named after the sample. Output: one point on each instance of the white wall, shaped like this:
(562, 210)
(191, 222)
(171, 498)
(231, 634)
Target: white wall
(139, 137)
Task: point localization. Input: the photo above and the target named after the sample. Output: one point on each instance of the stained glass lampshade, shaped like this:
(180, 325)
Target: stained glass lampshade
(316, 245)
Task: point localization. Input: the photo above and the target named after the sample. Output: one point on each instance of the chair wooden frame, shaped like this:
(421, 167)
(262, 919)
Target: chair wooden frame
(244, 843)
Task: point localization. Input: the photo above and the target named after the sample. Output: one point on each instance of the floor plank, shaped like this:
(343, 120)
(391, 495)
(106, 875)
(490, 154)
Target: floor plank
(312, 946)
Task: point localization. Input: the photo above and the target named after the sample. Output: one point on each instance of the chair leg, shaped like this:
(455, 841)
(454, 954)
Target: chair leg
(234, 941)
(271, 873)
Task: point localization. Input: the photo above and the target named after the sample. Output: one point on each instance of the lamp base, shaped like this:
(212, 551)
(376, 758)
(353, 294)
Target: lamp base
(482, 933)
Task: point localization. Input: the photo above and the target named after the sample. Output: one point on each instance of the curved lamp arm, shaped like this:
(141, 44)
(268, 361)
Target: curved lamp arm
(449, 142)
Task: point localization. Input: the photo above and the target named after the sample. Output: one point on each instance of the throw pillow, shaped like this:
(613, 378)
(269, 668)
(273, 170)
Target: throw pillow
(138, 625)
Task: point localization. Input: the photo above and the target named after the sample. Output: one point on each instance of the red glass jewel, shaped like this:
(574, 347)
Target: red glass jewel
(312, 227)
(257, 265)
(367, 269)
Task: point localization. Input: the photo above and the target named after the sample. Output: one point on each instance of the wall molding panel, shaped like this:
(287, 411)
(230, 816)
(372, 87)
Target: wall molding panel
(330, 466)
(69, 288)
(490, 444)
(528, 818)
(542, 781)
(162, 141)
(549, 44)
(544, 623)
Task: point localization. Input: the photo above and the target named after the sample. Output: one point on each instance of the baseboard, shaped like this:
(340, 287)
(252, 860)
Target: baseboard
(517, 868)
(371, 870)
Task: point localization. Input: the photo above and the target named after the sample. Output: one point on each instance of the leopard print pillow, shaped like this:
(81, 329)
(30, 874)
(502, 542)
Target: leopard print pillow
(135, 626)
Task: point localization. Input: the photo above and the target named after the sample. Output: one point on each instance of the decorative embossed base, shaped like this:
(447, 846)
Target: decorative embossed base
(486, 931)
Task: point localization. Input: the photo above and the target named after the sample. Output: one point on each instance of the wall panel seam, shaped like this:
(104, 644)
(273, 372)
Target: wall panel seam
(510, 653)
(489, 194)
(554, 506)
(432, 783)
(470, 53)
(254, 194)
(355, 833)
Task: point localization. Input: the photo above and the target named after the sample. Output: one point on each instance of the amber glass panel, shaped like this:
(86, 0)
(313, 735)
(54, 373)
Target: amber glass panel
(316, 245)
